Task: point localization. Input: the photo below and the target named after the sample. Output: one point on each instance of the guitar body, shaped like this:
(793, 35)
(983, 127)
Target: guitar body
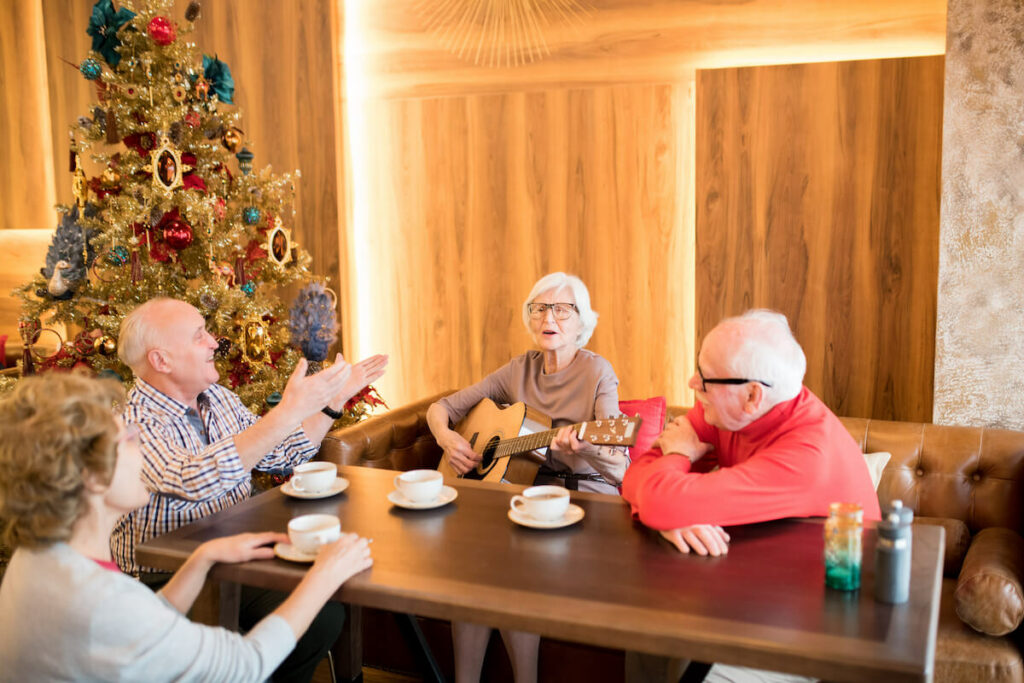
(485, 427)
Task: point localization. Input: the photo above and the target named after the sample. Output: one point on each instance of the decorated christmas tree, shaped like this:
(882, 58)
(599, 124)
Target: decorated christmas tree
(173, 208)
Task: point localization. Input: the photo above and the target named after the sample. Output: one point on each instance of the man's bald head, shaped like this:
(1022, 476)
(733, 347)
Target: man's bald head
(759, 345)
(145, 328)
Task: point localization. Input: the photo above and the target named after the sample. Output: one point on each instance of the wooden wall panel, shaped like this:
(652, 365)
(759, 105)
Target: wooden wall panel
(474, 198)
(818, 195)
(26, 174)
(71, 96)
(282, 59)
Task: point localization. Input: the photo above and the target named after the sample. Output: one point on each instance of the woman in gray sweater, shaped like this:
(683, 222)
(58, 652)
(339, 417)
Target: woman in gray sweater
(565, 382)
(69, 467)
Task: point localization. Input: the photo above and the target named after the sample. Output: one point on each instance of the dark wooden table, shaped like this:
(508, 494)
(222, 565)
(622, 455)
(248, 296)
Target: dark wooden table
(606, 581)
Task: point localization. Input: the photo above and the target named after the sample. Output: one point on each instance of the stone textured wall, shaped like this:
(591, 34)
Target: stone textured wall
(979, 368)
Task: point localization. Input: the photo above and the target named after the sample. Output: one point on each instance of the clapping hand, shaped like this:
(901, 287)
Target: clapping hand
(307, 395)
(364, 373)
(704, 539)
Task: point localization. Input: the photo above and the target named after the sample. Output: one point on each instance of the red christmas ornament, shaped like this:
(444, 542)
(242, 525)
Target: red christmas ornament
(192, 119)
(161, 30)
(177, 234)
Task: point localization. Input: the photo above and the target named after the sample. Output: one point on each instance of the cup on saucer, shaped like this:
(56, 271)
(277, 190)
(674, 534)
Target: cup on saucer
(420, 486)
(308, 532)
(314, 477)
(542, 503)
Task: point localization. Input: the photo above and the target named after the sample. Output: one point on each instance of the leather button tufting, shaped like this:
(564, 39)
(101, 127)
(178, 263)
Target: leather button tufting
(920, 472)
(976, 476)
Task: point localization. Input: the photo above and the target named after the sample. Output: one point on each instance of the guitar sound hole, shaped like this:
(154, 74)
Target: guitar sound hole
(487, 457)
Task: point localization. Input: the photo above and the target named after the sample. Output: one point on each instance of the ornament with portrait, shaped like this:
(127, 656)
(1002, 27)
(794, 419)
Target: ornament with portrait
(166, 166)
(279, 243)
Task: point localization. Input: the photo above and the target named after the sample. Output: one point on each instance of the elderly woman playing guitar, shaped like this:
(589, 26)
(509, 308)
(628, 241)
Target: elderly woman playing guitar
(568, 384)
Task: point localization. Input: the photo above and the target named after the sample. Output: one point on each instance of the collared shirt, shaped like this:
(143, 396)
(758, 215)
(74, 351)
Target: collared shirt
(190, 477)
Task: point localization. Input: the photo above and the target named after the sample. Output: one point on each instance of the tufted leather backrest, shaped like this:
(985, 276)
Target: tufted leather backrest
(969, 473)
(397, 440)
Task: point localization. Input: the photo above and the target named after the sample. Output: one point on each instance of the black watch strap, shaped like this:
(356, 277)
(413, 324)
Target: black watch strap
(333, 414)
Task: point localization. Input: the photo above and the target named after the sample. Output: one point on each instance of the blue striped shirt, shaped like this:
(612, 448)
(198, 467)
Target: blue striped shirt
(187, 477)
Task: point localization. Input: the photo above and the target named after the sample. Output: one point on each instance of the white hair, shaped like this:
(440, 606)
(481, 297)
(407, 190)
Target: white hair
(765, 349)
(588, 317)
(137, 335)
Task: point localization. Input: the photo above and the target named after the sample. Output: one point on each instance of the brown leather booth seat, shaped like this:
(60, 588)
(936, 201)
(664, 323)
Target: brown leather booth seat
(955, 473)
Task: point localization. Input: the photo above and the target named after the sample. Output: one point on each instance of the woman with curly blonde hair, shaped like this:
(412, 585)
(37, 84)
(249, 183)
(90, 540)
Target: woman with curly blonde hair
(69, 468)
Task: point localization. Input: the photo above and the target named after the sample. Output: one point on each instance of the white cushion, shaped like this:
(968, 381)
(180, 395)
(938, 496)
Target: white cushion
(876, 465)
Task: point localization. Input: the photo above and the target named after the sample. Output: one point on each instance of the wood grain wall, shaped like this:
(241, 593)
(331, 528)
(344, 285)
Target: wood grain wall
(286, 84)
(818, 195)
(476, 197)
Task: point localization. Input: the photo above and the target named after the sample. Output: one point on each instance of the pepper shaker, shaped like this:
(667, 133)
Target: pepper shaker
(892, 555)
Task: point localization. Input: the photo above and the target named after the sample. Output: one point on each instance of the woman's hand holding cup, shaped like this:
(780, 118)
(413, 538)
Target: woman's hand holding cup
(342, 559)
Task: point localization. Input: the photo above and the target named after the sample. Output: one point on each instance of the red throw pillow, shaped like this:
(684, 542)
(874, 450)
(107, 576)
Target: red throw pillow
(652, 410)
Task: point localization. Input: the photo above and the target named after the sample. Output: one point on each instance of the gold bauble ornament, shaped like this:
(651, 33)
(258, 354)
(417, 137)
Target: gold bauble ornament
(110, 177)
(105, 345)
(232, 139)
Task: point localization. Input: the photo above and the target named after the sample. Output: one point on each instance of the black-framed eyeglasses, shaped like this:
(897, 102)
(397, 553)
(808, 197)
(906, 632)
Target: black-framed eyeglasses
(561, 311)
(705, 381)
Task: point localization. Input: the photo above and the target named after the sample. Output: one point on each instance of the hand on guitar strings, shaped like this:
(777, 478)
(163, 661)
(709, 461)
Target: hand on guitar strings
(460, 454)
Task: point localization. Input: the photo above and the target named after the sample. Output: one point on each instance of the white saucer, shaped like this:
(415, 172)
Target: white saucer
(572, 515)
(339, 485)
(286, 551)
(448, 494)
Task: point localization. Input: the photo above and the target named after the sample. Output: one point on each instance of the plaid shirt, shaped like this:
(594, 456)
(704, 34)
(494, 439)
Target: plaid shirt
(188, 479)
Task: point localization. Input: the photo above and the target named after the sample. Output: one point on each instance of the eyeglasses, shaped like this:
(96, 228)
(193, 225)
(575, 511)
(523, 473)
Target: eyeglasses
(705, 381)
(561, 311)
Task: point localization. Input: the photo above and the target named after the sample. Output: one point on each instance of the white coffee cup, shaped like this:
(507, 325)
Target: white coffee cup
(308, 532)
(543, 503)
(314, 477)
(420, 486)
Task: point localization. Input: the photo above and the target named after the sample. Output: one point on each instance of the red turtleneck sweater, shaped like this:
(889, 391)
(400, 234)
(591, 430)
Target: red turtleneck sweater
(792, 462)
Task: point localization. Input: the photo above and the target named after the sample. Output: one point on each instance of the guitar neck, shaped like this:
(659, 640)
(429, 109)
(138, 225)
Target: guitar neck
(529, 442)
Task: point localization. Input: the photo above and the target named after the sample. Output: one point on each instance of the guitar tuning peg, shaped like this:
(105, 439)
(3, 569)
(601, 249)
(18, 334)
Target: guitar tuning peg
(607, 438)
(598, 423)
(620, 439)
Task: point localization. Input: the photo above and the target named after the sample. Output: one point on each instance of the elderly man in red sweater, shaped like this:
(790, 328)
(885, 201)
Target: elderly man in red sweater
(779, 451)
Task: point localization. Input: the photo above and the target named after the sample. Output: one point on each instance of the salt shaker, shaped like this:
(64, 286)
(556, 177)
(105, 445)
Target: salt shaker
(892, 554)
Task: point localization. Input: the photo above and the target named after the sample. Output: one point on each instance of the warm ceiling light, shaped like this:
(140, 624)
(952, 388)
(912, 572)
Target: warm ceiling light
(498, 32)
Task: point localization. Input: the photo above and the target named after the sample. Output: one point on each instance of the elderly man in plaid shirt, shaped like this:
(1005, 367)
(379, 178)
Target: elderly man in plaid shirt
(199, 444)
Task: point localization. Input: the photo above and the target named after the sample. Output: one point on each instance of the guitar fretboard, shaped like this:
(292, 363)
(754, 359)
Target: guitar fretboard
(532, 442)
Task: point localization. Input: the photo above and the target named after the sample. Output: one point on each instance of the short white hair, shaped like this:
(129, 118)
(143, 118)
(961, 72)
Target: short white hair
(138, 335)
(588, 317)
(765, 349)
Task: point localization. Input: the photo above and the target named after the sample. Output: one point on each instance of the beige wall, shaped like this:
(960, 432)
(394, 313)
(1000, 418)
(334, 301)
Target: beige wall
(979, 370)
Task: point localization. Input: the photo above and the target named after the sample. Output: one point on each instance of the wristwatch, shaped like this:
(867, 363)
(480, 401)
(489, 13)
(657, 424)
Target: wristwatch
(333, 414)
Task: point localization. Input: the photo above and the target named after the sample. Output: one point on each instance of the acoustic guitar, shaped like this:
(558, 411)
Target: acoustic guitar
(497, 434)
